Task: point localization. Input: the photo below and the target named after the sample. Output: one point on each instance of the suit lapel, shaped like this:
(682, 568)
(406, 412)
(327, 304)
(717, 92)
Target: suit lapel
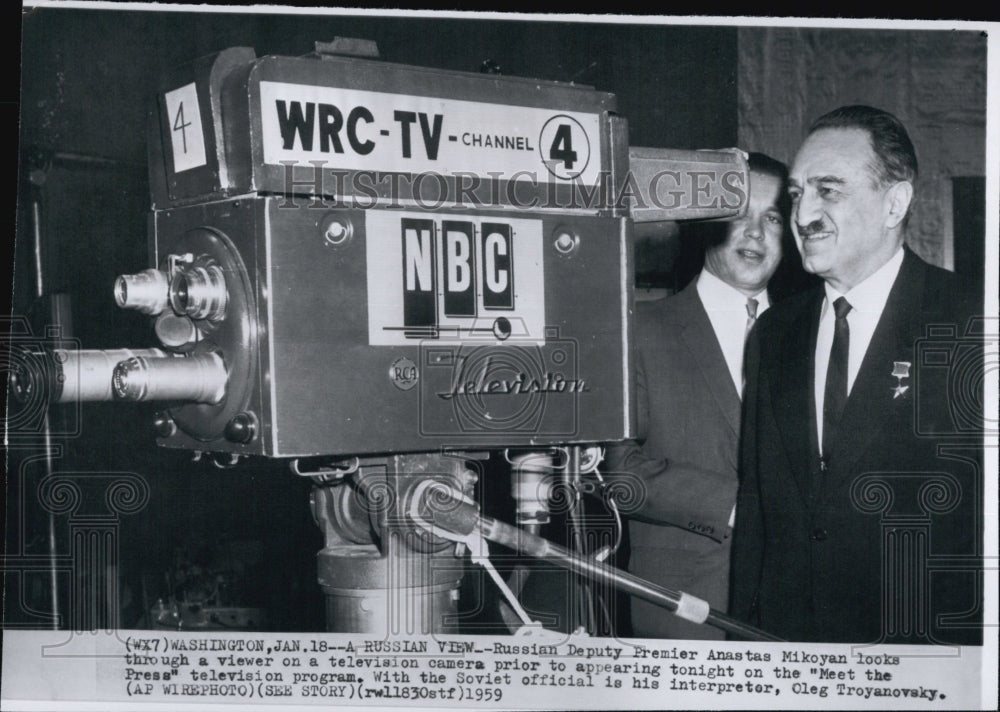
(699, 337)
(792, 377)
(871, 402)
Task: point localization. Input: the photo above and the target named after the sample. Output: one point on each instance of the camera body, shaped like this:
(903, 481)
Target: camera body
(391, 269)
(352, 257)
(380, 227)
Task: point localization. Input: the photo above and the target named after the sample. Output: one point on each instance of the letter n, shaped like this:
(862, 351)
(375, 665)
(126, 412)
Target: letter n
(419, 279)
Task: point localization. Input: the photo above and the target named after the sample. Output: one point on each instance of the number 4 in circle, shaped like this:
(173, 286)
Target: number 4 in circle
(564, 147)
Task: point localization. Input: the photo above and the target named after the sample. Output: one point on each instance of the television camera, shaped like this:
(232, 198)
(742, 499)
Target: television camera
(381, 273)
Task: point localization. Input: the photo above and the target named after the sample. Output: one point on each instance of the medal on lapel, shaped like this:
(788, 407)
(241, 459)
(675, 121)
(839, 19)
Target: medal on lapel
(900, 370)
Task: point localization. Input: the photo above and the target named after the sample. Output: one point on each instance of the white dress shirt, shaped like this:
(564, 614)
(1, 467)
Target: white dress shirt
(727, 310)
(867, 301)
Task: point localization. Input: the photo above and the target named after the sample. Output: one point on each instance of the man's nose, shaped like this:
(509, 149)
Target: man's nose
(806, 210)
(754, 229)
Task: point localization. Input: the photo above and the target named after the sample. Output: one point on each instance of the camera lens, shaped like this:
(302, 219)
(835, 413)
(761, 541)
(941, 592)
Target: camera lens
(199, 292)
(201, 379)
(145, 292)
(181, 294)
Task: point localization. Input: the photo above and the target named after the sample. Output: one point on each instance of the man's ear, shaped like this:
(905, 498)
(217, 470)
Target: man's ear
(897, 202)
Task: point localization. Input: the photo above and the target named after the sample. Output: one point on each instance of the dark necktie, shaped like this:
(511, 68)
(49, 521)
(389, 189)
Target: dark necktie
(836, 375)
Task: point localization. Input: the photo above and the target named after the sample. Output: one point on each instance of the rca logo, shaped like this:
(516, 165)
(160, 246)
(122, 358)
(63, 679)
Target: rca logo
(477, 271)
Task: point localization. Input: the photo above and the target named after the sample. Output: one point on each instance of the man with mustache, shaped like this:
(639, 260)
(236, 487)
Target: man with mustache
(690, 376)
(853, 523)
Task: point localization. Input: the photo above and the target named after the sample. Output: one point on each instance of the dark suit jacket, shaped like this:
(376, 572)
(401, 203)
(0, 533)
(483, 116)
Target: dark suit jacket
(884, 545)
(689, 414)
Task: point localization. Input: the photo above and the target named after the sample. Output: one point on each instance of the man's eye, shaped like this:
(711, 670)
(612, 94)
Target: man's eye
(826, 191)
(794, 195)
(775, 219)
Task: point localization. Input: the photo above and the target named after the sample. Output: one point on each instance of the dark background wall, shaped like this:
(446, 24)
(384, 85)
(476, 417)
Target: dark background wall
(86, 79)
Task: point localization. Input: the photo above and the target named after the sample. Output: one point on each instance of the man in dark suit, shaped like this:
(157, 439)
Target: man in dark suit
(689, 379)
(859, 509)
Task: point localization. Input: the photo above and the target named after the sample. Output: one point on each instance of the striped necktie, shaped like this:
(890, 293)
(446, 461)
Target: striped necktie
(751, 320)
(751, 316)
